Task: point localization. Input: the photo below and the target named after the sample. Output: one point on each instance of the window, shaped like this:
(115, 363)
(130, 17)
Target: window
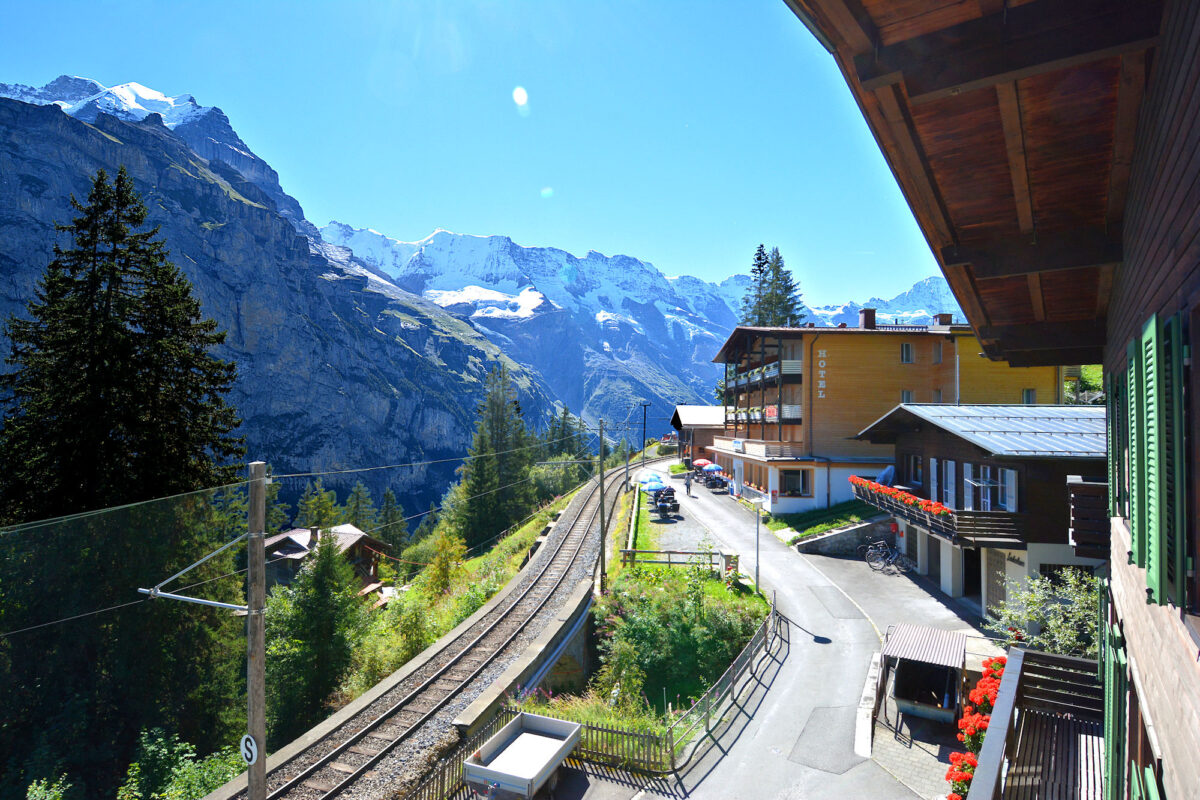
(796, 482)
(985, 488)
(906, 353)
(1006, 494)
(948, 486)
(906, 396)
(937, 352)
(968, 501)
(934, 473)
(937, 395)
(914, 466)
(1029, 396)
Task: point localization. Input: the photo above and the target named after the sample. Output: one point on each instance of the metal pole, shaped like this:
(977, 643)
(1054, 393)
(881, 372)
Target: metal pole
(644, 407)
(600, 477)
(627, 455)
(756, 519)
(256, 597)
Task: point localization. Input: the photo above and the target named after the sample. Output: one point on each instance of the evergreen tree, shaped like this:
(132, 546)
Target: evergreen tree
(313, 626)
(752, 302)
(113, 398)
(780, 304)
(359, 509)
(392, 527)
(427, 525)
(495, 484)
(317, 507)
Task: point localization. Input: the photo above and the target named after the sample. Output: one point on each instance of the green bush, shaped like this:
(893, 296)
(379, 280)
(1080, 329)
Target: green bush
(666, 449)
(677, 469)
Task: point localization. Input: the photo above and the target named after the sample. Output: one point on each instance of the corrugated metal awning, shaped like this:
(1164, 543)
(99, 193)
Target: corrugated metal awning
(928, 645)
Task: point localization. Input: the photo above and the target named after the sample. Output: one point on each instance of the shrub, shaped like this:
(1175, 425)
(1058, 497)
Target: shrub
(1062, 609)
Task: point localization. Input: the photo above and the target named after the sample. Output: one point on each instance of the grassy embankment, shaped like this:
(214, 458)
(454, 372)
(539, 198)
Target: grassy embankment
(820, 520)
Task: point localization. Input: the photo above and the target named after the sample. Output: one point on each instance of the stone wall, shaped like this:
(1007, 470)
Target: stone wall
(846, 541)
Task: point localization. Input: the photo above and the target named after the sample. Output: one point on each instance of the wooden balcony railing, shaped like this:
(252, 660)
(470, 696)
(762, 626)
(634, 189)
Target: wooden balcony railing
(980, 528)
(1045, 738)
(1089, 532)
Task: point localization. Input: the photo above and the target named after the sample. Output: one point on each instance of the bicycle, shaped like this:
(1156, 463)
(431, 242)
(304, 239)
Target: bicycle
(865, 550)
(887, 557)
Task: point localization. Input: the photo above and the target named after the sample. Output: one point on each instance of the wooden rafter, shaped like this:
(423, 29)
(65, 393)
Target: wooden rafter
(1046, 335)
(1036, 298)
(915, 165)
(1130, 90)
(1014, 143)
(1019, 42)
(1087, 247)
(1049, 358)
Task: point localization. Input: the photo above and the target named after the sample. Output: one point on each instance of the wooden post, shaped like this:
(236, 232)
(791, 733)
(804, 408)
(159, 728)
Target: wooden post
(256, 595)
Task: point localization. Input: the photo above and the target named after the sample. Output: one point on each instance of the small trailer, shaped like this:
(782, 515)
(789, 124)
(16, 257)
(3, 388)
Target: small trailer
(522, 757)
(927, 667)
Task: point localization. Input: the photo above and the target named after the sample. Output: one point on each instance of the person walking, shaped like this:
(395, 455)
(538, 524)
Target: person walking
(687, 483)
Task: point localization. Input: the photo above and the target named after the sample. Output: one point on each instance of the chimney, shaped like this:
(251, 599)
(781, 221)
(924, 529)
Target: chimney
(314, 536)
(866, 318)
(943, 319)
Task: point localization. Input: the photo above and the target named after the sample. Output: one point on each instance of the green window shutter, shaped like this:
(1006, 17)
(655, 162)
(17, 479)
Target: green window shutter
(1136, 790)
(1115, 695)
(1150, 785)
(1152, 462)
(1174, 467)
(1133, 406)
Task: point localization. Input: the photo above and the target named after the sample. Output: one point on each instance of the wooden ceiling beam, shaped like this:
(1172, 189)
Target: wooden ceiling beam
(1054, 358)
(1086, 247)
(1036, 298)
(1009, 100)
(1045, 335)
(1016, 43)
(1131, 88)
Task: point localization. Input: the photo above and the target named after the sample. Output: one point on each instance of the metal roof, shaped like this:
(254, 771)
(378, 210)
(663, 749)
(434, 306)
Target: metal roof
(698, 417)
(1019, 430)
(928, 645)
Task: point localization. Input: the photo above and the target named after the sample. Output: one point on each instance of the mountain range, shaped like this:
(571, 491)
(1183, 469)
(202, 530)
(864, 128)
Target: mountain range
(354, 348)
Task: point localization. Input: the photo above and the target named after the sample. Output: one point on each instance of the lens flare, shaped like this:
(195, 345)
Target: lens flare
(520, 96)
(547, 192)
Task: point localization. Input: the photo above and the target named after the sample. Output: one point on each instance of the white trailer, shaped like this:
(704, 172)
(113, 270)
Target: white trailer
(522, 756)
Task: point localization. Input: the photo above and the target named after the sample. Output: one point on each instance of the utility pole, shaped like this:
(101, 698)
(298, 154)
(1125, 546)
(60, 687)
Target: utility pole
(256, 597)
(627, 455)
(600, 477)
(644, 407)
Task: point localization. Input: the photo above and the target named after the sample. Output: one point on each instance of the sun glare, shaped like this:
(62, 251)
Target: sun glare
(520, 96)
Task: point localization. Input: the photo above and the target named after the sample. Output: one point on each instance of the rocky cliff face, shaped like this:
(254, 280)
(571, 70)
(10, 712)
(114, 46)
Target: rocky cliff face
(337, 367)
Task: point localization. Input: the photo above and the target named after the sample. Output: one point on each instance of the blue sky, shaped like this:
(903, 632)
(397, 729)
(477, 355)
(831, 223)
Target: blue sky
(682, 133)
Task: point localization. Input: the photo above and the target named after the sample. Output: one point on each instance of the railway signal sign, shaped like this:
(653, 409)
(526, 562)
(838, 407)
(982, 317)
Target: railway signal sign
(249, 749)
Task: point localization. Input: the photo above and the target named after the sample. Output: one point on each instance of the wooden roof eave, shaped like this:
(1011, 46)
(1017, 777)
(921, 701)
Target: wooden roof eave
(1004, 45)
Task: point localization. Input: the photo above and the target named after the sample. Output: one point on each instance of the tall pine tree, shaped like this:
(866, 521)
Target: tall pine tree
(359, 509)
(495, 490)
(752, 302)
(392, 528)
(113, 397)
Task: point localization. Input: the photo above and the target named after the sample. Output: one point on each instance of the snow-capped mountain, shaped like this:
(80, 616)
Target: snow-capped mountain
(914, 307)
(205, 129)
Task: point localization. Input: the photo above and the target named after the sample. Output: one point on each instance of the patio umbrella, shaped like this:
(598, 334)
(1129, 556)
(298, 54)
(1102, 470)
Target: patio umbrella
(649, 477)
(701, 462)
(654, 487)
(713, 468)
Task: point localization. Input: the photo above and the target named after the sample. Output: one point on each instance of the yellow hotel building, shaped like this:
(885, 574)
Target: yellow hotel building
(795, 398)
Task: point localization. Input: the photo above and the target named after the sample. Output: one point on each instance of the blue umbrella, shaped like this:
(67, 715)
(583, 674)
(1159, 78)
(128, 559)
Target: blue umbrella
(649, 477)
(654, 487)
(712, 468)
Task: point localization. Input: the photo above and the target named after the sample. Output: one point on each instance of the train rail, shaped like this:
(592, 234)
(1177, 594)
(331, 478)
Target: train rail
(386, 745)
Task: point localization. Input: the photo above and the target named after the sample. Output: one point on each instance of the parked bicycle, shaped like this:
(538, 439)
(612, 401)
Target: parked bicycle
(882, 556)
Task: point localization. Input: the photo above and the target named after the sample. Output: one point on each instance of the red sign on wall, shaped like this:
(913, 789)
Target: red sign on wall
(771, 412)
(774, 495)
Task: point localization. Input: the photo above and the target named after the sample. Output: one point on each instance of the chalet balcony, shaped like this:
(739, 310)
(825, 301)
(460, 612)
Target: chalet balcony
(791, 370)
(971, 528)
(1046, 736)
(1089, 532)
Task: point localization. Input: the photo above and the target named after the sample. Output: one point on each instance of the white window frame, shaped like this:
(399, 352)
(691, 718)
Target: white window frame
(968, 487)
(985, 488)
(906, 353)
(933, 479)
(1029, 397)
(1007, 490)
(906, 395)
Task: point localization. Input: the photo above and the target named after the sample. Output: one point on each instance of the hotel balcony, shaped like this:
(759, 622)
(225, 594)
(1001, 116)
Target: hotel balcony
(1046, 736)
(1089, 533)
(757, 448)
(791, 370)
(971, 528)
(789, 414)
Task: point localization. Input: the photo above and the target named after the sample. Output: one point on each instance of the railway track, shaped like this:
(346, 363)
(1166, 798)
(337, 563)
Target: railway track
(370, 753)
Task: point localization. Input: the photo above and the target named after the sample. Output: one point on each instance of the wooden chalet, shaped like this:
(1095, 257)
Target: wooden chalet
(1002, 473)
(1050, 151)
